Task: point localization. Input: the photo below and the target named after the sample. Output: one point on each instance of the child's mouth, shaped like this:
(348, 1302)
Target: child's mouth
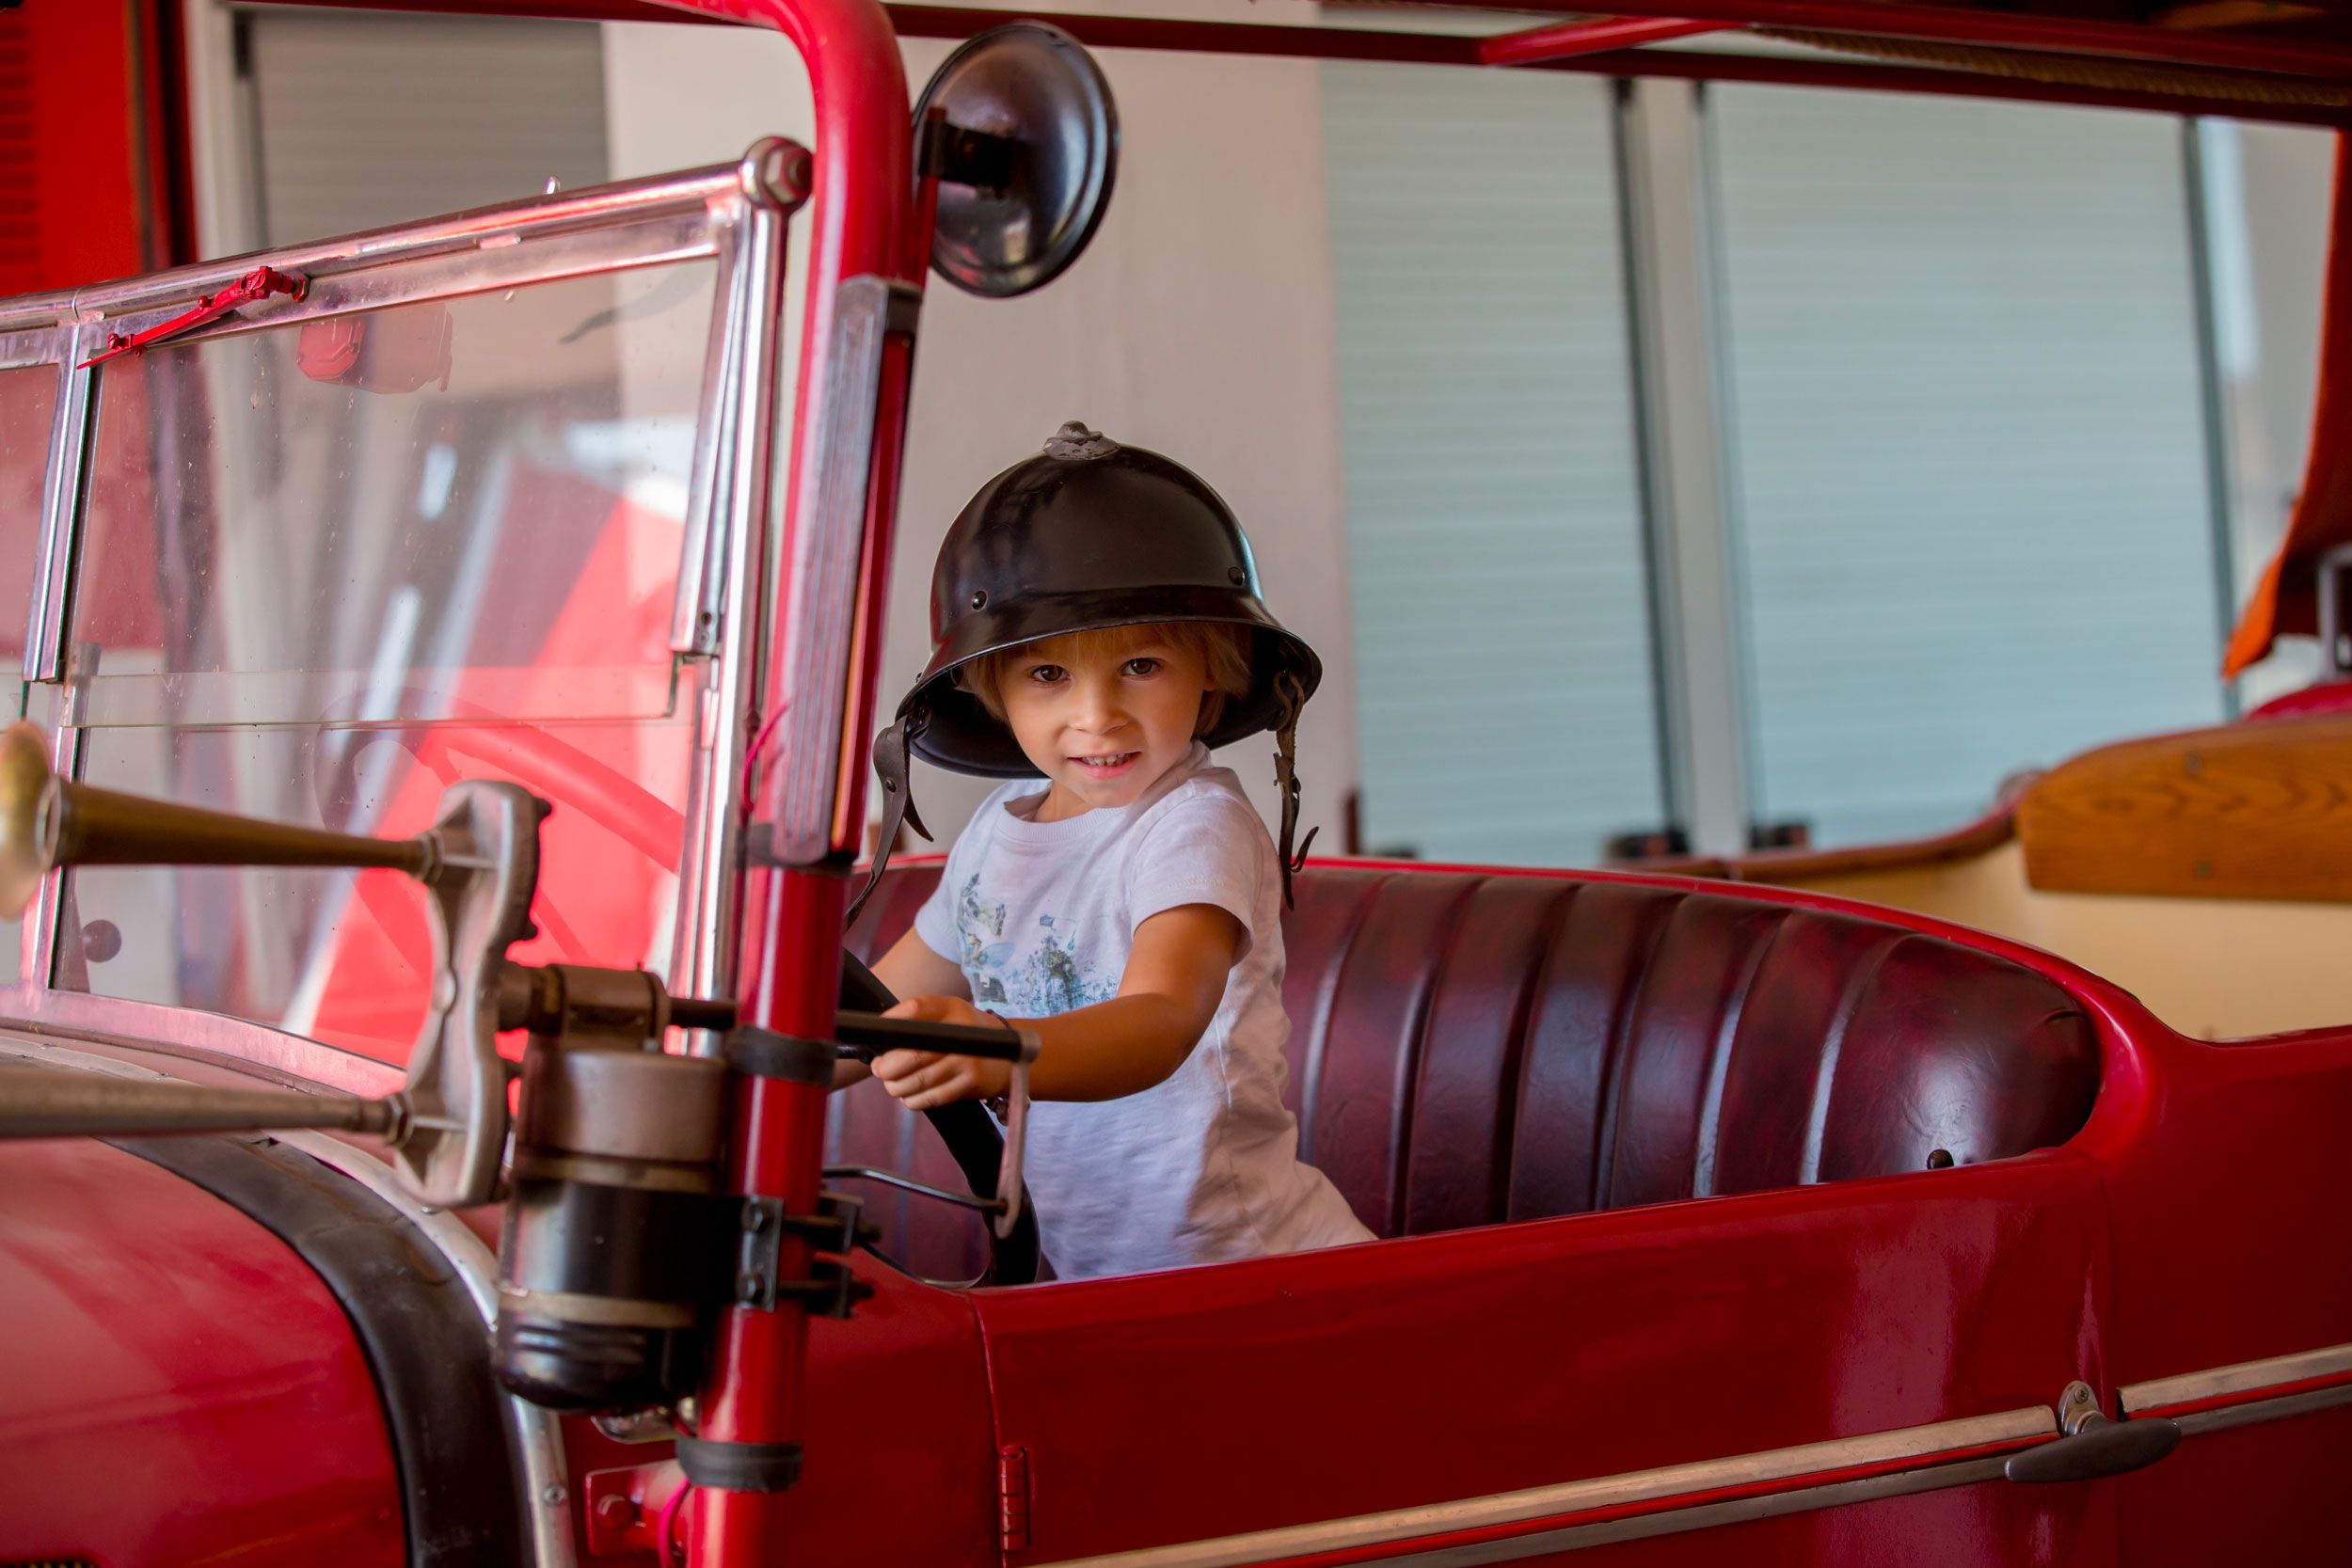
(1109, 765)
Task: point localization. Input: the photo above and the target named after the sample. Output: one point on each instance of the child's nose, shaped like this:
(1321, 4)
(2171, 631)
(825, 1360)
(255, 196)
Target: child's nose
(1099, 709)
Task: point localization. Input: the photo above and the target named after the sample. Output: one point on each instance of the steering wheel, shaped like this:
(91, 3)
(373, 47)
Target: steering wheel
(972, 1140)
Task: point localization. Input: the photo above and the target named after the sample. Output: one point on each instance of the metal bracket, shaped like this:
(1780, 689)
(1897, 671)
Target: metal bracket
(2091, 1446)
(831, 1290)
(2335, 593)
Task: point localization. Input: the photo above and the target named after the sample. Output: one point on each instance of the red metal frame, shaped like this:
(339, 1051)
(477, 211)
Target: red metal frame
(1999, 29)
(1567, 39)
(791, 917)
(2237, 72)
(1342, 44)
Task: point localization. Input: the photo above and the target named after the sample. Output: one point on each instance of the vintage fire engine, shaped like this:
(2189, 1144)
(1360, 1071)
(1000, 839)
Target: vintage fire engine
(425, 698)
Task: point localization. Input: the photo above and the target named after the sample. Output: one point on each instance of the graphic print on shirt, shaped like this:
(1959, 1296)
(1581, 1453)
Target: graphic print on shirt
(1051, 977)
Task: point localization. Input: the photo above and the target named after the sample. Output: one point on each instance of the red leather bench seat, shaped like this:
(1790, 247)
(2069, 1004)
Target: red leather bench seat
(1472, 1047)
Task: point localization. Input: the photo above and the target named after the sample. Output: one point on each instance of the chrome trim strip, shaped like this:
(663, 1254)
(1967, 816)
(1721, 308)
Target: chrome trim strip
(32, 313)
(2253, 1411)
(823, 576)
(1680, 1521)
(411, 279)
(740, 577)
(2241, 1378)
(1401, 1527)
(677, 195)
(70, 428)
(36, 343)
(534, 1437)
(34, 1011)
(695, 613)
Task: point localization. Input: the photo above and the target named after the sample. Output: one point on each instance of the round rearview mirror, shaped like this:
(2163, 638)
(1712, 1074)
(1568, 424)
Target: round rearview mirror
(1018, 125)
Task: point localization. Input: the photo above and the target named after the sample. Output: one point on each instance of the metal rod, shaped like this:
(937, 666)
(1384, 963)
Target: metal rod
(51, 1103)
(2008, 29)
(908, 1184)
(105, 827)
(872, 1031)
(1690, 65)
(1566, 40)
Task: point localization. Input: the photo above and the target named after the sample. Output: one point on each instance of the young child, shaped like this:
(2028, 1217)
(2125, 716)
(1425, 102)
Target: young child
(1096, 623)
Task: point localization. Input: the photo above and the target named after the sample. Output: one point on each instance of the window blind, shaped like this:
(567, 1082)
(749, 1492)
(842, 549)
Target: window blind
(1968, 462)
(1505, 688)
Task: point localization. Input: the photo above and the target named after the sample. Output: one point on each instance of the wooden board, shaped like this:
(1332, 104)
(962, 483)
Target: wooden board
(2243, 811)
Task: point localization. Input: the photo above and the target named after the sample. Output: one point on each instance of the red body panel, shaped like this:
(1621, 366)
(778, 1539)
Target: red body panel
(2229, 1216)
(180, 1387)
(1178, 1407)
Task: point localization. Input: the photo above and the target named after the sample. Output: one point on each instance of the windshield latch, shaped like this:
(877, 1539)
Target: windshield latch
(260, 283)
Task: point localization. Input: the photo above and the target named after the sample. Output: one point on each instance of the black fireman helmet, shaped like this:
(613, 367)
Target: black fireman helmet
(1086, 535)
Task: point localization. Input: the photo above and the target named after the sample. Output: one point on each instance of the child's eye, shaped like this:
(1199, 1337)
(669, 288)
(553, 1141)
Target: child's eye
(1142, 667)
(1046, 674)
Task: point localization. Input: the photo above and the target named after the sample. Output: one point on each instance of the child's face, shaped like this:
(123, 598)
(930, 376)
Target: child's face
(1103, 716)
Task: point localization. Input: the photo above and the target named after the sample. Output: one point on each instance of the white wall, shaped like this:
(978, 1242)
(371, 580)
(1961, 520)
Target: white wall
(1199, 323)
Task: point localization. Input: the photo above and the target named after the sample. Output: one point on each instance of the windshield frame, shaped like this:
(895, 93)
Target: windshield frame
(734, 215)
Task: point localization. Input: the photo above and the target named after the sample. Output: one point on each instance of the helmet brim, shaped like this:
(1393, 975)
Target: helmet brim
(956, 731)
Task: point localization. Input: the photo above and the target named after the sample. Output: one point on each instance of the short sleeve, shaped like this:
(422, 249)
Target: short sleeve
(1205, 849)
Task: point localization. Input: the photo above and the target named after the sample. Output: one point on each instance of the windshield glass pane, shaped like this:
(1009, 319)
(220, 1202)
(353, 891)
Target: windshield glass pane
(402, 514)
(28, 404)
(330, 568)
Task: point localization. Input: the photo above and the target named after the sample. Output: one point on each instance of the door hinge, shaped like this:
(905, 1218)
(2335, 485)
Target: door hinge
(1013, 1499)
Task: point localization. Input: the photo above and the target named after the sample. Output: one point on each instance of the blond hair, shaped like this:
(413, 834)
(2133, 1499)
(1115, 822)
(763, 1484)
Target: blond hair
(1223, 650)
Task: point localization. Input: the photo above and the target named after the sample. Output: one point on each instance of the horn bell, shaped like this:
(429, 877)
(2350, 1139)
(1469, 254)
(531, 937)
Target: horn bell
(28, 840)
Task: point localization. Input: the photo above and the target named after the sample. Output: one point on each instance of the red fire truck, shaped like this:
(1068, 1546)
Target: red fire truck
(448, 678)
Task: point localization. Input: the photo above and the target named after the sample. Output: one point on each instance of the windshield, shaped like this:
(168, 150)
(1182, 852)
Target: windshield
(330, 567)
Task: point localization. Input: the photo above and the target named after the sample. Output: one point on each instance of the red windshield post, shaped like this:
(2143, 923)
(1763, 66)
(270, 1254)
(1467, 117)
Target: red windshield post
(790, 954)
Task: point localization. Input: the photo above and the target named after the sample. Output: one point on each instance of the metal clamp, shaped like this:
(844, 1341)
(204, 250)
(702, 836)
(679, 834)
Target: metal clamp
(2334, 591)
(739, 1466)
(831, 1290)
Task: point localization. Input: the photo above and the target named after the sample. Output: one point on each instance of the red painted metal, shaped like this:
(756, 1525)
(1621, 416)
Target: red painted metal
(1344, 43)
(1566, 39)
(1330, 1385)
(2328, 697)
(2010, 30)
(2241, 90)
(260, 283)
(789, 953)
(91, 135)
(179, 1386)
(625, 1507)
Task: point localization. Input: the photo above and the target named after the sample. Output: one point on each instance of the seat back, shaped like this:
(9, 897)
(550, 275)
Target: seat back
(1472, 1047)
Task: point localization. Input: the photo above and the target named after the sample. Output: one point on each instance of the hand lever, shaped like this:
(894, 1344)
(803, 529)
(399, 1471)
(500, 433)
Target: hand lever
(2094, 1446)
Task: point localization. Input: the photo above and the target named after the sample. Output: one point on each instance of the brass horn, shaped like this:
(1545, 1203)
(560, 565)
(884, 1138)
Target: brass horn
(478, 863)
(47, 821)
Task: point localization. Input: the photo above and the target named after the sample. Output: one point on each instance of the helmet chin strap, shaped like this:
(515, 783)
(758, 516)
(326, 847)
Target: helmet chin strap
(894, 768)
(1293, 698)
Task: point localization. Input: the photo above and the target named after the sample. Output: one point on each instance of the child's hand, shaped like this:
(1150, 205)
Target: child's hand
(922, 1080)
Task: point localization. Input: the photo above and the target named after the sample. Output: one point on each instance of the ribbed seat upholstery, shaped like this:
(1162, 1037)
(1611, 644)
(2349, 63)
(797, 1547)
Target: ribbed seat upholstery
(1469, 1047)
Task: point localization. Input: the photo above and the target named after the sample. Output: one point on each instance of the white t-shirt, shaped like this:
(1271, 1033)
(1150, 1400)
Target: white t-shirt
(1041, 916)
